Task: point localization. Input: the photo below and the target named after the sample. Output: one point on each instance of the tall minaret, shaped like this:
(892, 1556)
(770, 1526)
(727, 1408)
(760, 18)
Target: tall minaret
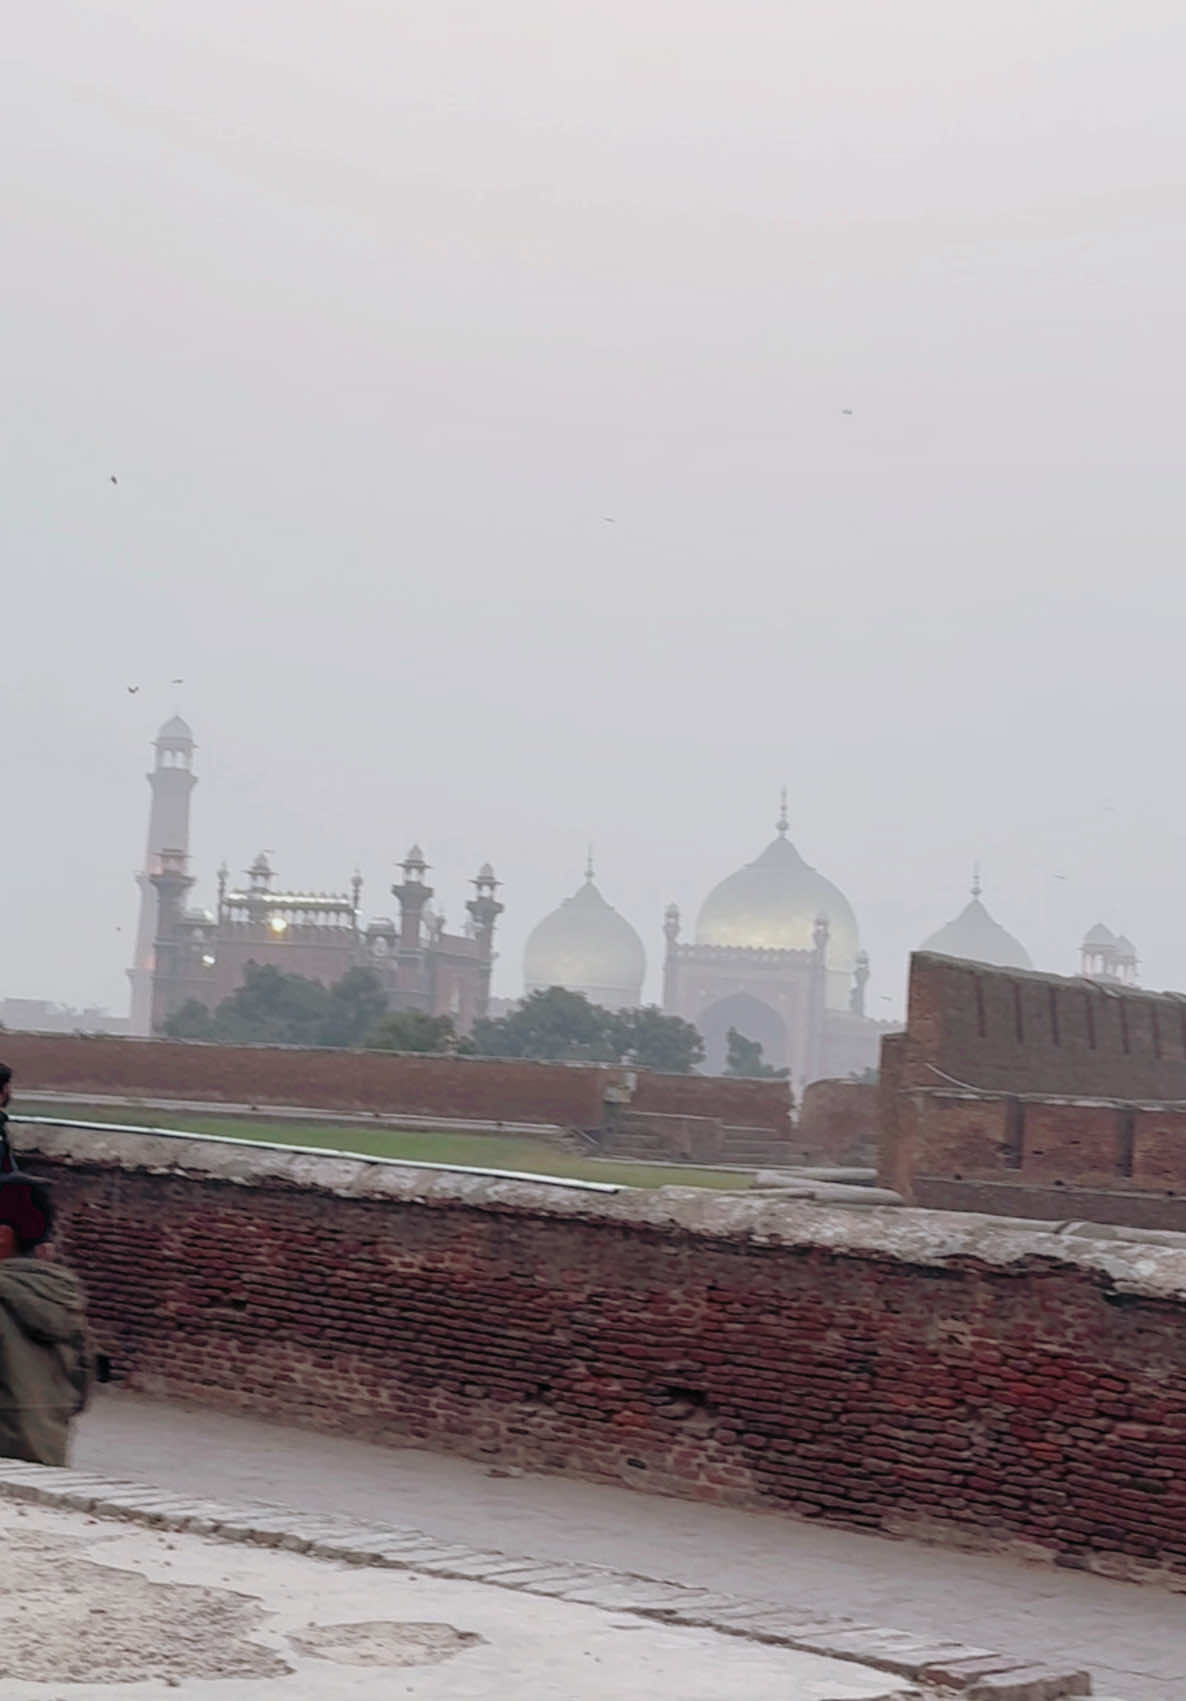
(485, 909)
(172, 779)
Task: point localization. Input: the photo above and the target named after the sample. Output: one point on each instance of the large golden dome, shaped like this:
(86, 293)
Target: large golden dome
(586, 946)
(773, 903)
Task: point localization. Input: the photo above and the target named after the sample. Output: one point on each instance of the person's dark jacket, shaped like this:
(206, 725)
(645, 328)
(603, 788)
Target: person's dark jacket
(45, 1365)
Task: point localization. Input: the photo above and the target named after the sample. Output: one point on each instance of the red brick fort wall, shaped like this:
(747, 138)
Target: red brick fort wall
(482, 1089)
(1019, 1092)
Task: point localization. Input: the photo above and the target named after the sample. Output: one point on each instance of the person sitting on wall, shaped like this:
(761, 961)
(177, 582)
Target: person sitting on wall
(45, 1360)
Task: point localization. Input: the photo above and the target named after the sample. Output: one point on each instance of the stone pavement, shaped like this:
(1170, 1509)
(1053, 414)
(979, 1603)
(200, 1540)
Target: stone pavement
(100, 1609)
(47, 1624)
(1132, 1639)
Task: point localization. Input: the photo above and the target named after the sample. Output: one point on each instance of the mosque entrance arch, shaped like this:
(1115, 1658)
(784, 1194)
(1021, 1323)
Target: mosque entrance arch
(751, 1017)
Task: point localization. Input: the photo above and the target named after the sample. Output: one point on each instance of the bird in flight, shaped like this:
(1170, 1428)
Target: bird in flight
(114, 480)
(848, 411)
(177, 682)
(132, 690)
(609, 519)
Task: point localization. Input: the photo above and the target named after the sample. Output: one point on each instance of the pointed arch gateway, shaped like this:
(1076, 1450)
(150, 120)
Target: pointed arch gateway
(752, 1017)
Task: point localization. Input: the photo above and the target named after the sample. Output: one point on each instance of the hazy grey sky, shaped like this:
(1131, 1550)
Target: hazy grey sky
(377, 311)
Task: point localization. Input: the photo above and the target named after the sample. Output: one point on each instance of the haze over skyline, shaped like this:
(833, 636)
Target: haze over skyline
(379, 319)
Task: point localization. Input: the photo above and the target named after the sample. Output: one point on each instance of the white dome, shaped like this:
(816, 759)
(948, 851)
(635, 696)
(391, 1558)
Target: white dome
(975, 936)
(586, 946)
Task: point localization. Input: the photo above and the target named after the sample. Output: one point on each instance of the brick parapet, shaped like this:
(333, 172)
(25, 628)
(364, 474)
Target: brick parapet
(884, 1368)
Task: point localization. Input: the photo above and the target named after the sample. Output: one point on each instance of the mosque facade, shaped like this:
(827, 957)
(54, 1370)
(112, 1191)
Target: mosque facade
(184, 952)
(776, 954)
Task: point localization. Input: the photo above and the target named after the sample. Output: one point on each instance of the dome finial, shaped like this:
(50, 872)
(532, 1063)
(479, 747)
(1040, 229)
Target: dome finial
(782, 825)
(977, 886)
(589, 864)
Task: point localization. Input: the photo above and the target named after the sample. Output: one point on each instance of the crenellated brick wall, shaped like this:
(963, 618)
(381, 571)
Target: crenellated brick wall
(901, 1370)
(1016, 1031)
(1036, 1095)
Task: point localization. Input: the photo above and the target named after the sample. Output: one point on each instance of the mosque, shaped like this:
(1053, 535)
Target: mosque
(775, 953)
(186, 952)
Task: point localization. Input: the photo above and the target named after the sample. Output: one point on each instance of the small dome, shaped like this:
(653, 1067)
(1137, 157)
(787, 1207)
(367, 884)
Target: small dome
(586, 946)
(1100, 935)
(774, 902)
(975, 936)
(1125, 948)
(175, 731)
(486, 872)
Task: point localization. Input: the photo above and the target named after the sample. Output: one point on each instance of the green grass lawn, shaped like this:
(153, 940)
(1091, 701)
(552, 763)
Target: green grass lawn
(488, 1151)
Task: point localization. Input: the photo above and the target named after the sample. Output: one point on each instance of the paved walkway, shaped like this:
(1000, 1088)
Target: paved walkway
(1133, 1639)
(100, 1609)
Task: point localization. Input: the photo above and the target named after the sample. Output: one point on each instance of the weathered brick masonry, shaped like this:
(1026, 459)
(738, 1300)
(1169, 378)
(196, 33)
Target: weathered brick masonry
(488, 1089)
(837, 1123)
(901, 1369)
(1036, 1095)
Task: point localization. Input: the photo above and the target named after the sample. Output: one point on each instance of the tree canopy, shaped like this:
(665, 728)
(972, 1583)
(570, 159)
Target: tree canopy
(414, 1030)
(566, 1027)
(744, 1058)
(275, 1008)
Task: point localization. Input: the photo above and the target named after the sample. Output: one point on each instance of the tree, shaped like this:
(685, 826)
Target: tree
(656, 1041)
(273, 1007)
(553, 1025)
(357, 1004)
(192, 1021)
(744, 1058)
(414, 1030)
(567, 1027)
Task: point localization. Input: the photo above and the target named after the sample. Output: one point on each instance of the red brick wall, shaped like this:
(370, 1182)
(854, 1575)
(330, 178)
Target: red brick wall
(481, 1089)
(1005, 1030)
(484, 1089)
(1057, 1081)
(876, 1378)
(892, 1168)
(739, 1104)
(1159, 1148)
(1041, 1143)
(838, 1123)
